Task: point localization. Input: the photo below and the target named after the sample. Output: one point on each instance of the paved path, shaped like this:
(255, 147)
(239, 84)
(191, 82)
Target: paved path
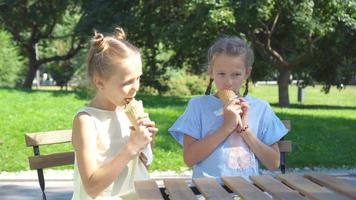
(30, 190)
(59, 184)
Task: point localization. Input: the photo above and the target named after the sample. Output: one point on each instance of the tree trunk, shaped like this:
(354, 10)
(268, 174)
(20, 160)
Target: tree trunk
(283, 82)
(32, 68)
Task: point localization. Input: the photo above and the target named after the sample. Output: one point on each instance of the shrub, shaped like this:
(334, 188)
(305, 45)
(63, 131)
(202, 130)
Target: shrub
(11, 63)
(181, 83)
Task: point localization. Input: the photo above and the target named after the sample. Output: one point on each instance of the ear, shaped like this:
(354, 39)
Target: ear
(248, 72)
(99, 83)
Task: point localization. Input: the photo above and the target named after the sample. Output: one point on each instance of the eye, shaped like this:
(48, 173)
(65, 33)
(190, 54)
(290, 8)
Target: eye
(126, 83)
(221, 73)
(132, 81)
(237, 74)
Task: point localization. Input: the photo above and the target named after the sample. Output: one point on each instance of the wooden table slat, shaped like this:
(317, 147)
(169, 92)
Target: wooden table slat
(277, 189)
(147, 190)
(342, 186)
(244, 189)
(309, 189)
(211, 189)
(178, 190)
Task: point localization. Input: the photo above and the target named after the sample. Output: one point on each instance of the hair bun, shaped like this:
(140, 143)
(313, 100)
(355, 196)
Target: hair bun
(120, 33)
(99, 42)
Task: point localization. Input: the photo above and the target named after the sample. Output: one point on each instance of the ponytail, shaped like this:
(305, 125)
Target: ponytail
(208, 89)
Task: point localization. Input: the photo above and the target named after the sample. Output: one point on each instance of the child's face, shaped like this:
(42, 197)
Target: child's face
(228, 72)
(123, 84)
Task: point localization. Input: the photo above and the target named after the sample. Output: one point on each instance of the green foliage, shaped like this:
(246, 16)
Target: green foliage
(32, 26)
(181, 83)
(11, 63)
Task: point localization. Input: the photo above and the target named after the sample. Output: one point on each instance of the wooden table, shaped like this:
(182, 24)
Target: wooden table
(286, 186)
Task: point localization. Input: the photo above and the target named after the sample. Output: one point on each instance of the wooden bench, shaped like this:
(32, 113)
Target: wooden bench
(315, 186)
(285, 146)
(39, 162)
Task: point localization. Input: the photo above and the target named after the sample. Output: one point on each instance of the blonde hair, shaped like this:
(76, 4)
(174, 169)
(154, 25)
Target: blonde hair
(106, 52)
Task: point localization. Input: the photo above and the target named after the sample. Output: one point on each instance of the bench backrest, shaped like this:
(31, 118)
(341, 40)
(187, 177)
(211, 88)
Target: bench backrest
(285, 146)
(39, 161)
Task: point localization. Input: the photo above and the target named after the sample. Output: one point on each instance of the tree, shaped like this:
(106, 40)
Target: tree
(290, 35)
(287, 36)
(32, 25)
(143, 22)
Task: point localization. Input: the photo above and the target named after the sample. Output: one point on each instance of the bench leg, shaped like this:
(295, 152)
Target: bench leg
(283, 163)
(36, 151)
(42, 183)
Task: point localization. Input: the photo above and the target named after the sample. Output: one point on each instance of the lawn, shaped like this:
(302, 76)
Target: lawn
(323, 128)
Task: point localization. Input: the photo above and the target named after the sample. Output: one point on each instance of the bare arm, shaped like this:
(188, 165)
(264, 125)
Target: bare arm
(96, 178)
(196, 150)
(268, 155)
(202, 148)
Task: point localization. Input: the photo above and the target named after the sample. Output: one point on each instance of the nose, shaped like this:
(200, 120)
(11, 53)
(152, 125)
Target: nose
(228, 82)
(136, 86)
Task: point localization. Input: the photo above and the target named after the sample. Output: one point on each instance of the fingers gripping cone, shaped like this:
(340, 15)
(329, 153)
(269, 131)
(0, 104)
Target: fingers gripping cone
(225, 96)
(135, 111)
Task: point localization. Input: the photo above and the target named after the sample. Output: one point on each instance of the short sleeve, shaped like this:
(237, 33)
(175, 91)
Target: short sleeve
(272, 129)
(189, 123)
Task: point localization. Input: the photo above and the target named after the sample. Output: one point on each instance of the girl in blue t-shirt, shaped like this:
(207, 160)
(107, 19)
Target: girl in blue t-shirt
(214, 143)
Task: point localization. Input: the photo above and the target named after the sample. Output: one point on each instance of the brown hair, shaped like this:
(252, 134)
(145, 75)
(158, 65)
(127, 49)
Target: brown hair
(232, 46)
(108, 51)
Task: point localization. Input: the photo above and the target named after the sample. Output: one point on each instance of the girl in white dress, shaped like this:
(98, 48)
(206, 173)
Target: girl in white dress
(107, 148)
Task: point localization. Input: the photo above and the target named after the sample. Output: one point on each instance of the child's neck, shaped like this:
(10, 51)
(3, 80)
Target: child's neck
(102, 103)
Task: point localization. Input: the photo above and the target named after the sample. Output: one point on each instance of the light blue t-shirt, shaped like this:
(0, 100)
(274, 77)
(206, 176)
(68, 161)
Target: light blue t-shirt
(232, 157)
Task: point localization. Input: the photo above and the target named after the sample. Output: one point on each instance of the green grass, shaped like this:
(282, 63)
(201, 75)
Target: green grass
(323, 128)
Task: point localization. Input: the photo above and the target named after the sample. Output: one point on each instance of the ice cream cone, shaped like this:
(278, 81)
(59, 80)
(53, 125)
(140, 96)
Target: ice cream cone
(135, 111)
(225, 96)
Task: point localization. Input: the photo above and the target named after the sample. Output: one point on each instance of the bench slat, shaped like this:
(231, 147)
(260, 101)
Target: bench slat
(210, 189)
(50, 137)
(287, 124)
(52, 160)
(178, 189)
(277, 189)
(308, 188)
(147, 190)
(285, 146)
(342, 186)
(244, 189)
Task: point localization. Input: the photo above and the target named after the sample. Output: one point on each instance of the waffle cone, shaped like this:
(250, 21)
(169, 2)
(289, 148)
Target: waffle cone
(135, 111)
(226, 95)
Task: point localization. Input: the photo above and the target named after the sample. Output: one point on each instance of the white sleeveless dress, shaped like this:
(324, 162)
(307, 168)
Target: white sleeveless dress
(112, 133)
